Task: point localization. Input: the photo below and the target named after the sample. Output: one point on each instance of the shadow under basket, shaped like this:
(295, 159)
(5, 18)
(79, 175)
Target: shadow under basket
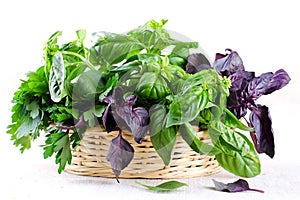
(89, 159)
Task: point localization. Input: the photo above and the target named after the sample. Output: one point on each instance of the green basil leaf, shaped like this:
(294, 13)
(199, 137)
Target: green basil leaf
(109, 86)
(164, 187)
(190, 137)
(88, 85)
(163, 139)
(208, 78)
(187, 106)
(152, 86)
(238, 155)
(57, 77)
(232, 121)
(112, 49)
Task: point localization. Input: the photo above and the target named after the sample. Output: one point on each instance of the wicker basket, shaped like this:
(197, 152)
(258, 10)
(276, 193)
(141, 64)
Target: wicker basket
(89, 159)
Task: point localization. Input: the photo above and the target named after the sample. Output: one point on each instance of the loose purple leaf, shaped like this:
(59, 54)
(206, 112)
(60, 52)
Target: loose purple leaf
(237, 186)
(260, 120)
(197, 62)
(120, 154)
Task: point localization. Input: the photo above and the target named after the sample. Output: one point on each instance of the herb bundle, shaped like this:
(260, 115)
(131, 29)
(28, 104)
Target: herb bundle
(146, 82)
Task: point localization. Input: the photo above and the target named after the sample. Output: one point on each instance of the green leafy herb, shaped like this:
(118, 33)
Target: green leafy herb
(135, 81)
(58, 142)
(164, 187)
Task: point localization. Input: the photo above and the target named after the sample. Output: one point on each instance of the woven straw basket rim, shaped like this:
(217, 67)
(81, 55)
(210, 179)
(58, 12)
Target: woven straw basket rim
(89, 158)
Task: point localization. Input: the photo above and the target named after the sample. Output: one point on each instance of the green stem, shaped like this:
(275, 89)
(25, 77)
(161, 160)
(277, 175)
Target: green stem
(89, 64)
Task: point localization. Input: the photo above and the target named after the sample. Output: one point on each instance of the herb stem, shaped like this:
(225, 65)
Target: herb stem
(89, 64)
(256, 190)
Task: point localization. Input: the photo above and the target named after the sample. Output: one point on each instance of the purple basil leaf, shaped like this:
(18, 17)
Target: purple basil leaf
(134, 119)
(80, 124)
(108, 120)
(240, 80)
(237, 186)
(261, 121)
(139, 123)
(120, 154)
(268, 83)
(229, 63)
(197, 62)
(235, 103)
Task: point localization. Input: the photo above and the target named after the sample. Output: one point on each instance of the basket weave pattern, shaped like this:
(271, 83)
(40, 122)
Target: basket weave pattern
(89, 159)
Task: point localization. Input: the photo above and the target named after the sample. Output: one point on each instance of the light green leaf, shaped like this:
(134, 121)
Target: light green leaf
(232, 121)
(81, 34)
(164, 187)
(238, 155)
(190, 137)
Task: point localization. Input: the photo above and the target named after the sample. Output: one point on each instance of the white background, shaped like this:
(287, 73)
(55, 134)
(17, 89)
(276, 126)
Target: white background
(265, 33)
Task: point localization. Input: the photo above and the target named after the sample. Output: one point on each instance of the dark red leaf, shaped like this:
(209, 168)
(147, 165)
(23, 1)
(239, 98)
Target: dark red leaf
(260, 120)
(267, 83)
(80, 124)
(108, 120)
(197, 62)
(120, 154)
(237, 186)
(134, 119)
(229, 63)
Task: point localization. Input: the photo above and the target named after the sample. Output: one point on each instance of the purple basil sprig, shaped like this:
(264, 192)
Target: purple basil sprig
(120, 112)
(245, 89)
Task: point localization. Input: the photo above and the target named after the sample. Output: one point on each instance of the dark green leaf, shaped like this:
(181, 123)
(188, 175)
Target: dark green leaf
(187, 106)
(87, 86)
(109, 86)
(190, 137)
(58, 142)
(152, 86)
(162, 138)
(164, 187)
